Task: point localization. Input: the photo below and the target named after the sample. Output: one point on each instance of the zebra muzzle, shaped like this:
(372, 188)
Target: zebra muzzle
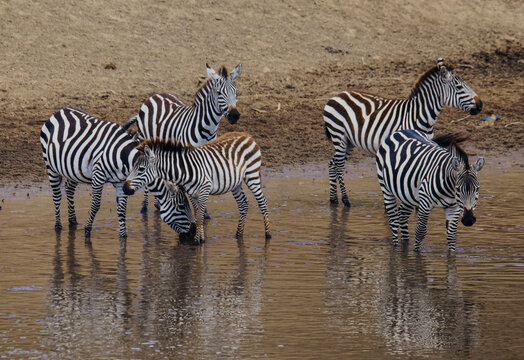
(127, 189)
(232, 116)
(468, 219)
(478, 106)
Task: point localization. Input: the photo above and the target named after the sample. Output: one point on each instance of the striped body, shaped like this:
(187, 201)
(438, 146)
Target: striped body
(80, 148)
(421, 174)
(169, 118)
(358, 119)
(215, 168)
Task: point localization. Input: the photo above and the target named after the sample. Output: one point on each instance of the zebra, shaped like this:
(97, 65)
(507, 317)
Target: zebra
(81, 148)
(358, 119)
(424, 174)
(215, 168)
(168, 117)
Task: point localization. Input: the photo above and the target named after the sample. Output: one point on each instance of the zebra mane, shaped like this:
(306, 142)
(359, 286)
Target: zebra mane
(451, 142)
(415, 90)
(163, 145)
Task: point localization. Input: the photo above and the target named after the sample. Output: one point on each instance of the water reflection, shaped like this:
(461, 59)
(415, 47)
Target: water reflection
(419, 312)
(183, 302)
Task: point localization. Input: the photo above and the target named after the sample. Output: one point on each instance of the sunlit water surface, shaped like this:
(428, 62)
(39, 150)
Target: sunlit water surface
(329, 284)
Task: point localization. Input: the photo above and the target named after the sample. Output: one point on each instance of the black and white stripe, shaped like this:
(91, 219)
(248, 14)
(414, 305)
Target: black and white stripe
(358, 119)
(167, 117)
(80, 148)
(211, 169)
(424, 174)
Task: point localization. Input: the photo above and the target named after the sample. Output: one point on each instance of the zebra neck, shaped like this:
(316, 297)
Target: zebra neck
(173, 165)
(449, 178)
(425, 106)
(206, 112)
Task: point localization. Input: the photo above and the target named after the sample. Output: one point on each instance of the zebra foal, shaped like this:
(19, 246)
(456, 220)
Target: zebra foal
(358, 119)
(80, 148)
(167, 117)
(215, 168)
(424, 174)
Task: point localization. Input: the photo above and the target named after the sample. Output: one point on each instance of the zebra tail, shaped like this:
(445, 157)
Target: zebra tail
(130, 122)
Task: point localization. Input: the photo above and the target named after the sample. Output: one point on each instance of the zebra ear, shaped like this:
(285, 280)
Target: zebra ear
(173, 189)
(236, 72)
(212, 73)
(149, 153)
(479, 165)
(445, 74)
(456, 165)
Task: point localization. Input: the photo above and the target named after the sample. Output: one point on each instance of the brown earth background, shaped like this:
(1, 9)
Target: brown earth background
(107, 57)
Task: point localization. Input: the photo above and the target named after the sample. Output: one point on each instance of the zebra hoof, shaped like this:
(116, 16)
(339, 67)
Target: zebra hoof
(73, 222)
(206, 216)
(239, 235)
(268, 236)
(333, 201)
(87, 232)
(143, 211)
(123, 236)
(346, 202)
(58, 227)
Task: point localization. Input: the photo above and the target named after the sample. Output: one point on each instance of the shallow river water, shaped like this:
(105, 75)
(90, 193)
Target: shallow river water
(329, 284)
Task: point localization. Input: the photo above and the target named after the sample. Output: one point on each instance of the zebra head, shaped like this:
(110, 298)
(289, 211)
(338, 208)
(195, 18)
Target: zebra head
(224, 91)
(467, 188)
(179, 215)
(144, 171)
(456, 92)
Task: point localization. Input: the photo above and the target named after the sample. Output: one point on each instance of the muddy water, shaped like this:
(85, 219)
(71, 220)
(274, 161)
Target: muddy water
(329, 284)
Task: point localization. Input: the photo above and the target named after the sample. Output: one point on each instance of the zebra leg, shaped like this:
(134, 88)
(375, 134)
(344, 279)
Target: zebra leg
(156, 202)
(201, 204)
(70, 193)
(96, 186)
(339, 158)
(390, 203)
(332, 182)
(253, 183)
(422, 226)
(194, 202)
(243, 206)
(55, 180)
(452, 217)
(143, 210)
(404, 212)
(121, 201)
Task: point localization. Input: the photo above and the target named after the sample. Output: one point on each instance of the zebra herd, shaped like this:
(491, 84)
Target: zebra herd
(175, 154)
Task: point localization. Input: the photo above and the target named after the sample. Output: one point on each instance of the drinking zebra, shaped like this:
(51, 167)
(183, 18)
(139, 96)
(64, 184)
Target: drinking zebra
(80, 148)
(167, 117)
(358, 119)
(422, 174)
(211, 169)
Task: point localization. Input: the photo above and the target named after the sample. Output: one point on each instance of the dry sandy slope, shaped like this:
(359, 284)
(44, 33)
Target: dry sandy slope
(296, 54)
